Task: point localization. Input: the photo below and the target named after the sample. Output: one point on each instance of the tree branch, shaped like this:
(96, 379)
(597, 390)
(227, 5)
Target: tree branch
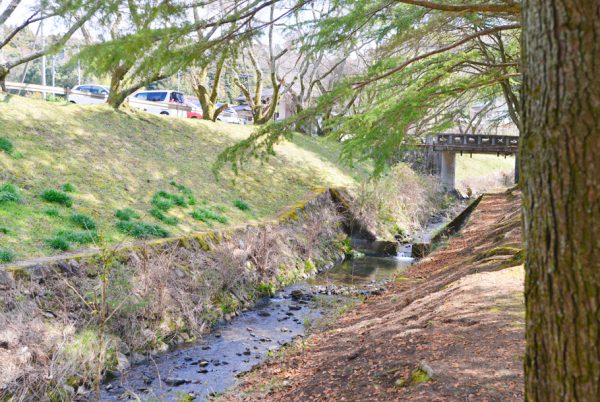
(508, 8)
(464, 40)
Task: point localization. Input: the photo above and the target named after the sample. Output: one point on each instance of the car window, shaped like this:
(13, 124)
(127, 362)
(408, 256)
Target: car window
(95, 90)
(156, 96)
(177, 97)
(83, 88)
(141, 96)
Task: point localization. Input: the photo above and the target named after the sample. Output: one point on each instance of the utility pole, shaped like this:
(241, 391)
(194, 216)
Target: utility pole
(78, 68)
(53, 70)
(43, 48)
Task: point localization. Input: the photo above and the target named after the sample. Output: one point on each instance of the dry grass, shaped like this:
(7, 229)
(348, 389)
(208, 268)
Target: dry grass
(156, 298)
(400, 201)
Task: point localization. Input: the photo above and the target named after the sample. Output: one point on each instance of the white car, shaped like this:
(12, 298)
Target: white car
(229, 115)
(88, 94)
(163, 102)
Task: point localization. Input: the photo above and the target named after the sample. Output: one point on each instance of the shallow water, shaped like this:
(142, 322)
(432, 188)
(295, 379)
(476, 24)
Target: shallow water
(211, 366)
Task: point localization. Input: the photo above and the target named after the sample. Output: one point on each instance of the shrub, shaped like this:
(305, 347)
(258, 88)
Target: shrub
(84, 237)
(141, 230)
(8, 192)
(53, 212)
(57, 197)
(207, 215)
(58, 243)
(68, 188)
(241, 205)
(6, 255)
(126, 214)
(83, 221)
(158, 214)
(6, 145)
(4, 230)
(165, 201)
(186, 191)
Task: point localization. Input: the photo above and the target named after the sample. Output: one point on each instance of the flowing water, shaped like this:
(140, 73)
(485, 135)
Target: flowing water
(211, 366)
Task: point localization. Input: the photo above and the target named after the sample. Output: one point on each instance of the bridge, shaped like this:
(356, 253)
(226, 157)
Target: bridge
(448, 145)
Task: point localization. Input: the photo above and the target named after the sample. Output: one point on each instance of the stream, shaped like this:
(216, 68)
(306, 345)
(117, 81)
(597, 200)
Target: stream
(211, 366)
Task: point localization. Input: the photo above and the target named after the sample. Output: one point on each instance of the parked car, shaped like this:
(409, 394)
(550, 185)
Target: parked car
(160, 102)
(88, 94)
(195, 113)
(229, 115)
(194, 103)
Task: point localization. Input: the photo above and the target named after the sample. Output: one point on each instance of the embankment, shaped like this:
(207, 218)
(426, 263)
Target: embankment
(62, 319)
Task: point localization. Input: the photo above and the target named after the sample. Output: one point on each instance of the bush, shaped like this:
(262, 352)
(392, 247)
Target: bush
(58, 243)
(158, 214)
(68, 188)
(85, 237)
(6, 255)
(207, 215)
(241, 205)
(6, 145)
(126, 214)
(165, 201)
(186, 191)
(141, 230)
(83, 221)
(53, 212)
(63, 239)
(4, 230)
(57, 197)
(8, 193)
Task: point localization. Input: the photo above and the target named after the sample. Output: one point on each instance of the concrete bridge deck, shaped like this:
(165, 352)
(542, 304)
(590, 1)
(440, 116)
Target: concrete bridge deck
(476, 143)
(448, 145)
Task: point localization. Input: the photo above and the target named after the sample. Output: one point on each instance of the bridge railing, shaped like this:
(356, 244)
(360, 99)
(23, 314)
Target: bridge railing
(477, 140)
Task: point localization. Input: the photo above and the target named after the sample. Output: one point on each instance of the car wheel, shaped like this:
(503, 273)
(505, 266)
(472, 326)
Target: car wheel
(164, 113)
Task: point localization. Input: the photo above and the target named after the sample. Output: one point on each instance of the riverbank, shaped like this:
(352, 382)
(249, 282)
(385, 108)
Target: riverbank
(450, 328)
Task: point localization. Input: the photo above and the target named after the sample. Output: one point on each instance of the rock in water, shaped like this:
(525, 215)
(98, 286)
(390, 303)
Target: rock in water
(175, 382)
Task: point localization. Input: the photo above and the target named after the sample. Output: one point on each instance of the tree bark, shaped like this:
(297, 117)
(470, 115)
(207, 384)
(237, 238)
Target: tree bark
(561, 198)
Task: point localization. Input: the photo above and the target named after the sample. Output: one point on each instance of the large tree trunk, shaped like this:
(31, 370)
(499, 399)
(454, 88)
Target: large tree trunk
(560, 161)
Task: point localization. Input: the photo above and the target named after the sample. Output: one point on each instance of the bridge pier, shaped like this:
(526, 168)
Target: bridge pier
(448, 170)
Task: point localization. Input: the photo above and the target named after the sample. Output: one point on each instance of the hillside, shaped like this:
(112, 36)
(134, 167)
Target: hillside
(106, 161)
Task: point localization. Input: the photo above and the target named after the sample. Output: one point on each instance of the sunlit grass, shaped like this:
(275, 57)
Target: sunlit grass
(113, 161)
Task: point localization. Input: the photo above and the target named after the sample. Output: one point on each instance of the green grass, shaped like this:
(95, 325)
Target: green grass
(6, 255)
(57, 197)
(158, 214)
(68, 188)
(120, 160)
(53, 212)
(207, 215)
(84, 221)
(9, 193)
(6, 145)
(58, 243)
(141, 230)
(126, 214)
(241, 205)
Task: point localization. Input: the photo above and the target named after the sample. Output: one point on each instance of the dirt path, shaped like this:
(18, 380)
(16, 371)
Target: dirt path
(457, 316)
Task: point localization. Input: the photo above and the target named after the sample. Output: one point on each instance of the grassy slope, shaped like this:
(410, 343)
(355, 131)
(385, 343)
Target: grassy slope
(482, 173)
(119, 160)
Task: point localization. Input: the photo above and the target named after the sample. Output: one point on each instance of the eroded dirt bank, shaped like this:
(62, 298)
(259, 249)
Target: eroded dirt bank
(457, 316)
